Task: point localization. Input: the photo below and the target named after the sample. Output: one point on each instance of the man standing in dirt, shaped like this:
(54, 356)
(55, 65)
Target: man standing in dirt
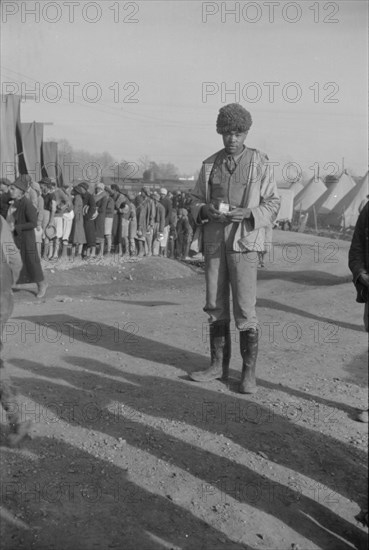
(235, 198)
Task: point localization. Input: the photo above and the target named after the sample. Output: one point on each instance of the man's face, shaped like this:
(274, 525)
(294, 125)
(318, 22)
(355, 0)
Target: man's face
(3, 188)
(233, 142)
(15, 193)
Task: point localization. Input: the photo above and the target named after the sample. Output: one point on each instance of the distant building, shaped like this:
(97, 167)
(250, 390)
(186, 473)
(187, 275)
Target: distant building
(135, 184)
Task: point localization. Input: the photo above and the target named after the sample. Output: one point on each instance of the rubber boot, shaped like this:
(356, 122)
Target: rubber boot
(217, 348)
(249, 352)
(226, 352)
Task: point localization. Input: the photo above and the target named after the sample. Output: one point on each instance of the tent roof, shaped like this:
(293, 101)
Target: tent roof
(309, 194)
(346, 211)
(326, 202)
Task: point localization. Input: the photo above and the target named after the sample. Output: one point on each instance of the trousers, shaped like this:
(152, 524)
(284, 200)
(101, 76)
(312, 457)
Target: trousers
(236, 272)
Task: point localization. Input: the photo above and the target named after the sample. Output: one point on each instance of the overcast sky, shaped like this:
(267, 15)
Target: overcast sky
(176, 63)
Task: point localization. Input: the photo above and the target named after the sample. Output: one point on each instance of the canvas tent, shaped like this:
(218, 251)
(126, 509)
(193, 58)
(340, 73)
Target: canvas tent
(346, 211)
(335, 193)
(296, 188)
(9, 135)
(50, 167)
(32, 137)
(332, 196)
(309, 194)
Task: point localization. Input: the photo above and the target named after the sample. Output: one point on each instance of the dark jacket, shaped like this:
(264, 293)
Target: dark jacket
(25, 221)
(4, 204)
(167, 203)
(359, 254)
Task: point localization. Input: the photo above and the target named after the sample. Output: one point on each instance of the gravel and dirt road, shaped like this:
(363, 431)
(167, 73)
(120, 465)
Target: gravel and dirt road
(127, 453)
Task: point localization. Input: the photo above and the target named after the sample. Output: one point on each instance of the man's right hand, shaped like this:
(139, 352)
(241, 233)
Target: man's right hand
(209, 212)
(364, 278)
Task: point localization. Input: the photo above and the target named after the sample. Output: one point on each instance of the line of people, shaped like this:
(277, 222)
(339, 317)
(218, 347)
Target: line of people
(76, 222)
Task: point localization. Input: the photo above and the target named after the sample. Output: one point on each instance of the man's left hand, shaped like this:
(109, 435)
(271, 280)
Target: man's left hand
(238, 214)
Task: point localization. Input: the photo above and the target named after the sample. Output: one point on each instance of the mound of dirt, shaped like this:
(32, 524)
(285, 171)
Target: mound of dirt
(86, 274)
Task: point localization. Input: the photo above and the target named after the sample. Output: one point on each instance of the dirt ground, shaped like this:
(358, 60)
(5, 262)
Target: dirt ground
(127, 453)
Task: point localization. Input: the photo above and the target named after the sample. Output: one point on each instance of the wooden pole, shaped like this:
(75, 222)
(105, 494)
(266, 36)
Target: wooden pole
(315, 219)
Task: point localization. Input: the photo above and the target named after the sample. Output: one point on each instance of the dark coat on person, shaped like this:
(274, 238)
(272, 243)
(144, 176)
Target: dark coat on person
(25, 222)
(159, 217)
(89, 209)
(167, 203)
(77, 234)
(359, 254)
(4, 204)
(101, 200)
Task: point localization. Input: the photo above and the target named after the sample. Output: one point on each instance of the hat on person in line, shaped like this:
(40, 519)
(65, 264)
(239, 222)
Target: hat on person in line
(5, 181)
(84, 185)
(100, 186)
(163, 191)
(22, 182)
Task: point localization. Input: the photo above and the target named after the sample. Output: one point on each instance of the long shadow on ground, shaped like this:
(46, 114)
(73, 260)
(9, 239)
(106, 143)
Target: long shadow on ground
(150, 394)
(79, 501)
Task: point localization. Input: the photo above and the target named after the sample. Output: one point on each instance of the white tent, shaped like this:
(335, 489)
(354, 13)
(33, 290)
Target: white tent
(325, 204)
(334, 194)
(309, 194)
(346, 211)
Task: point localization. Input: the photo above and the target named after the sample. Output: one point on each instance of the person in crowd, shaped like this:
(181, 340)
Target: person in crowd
(40, 215)
(125, 212)
(31, 193)
(141, 216)
(109, 214)
(119, 199)
(149, 209)
(5, 197)
(77, 235)
(235, 196)
(132, 227)
(184, 234)
(175, 200)
(23, 223)
(89, 215)
(48, 214)
(101, 199)
(10, 267)
(165, 201)
(63, 219)
(172, 238)
(159, 221)
(358, 261)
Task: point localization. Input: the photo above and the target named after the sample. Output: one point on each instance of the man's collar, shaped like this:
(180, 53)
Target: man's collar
(236, 158)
